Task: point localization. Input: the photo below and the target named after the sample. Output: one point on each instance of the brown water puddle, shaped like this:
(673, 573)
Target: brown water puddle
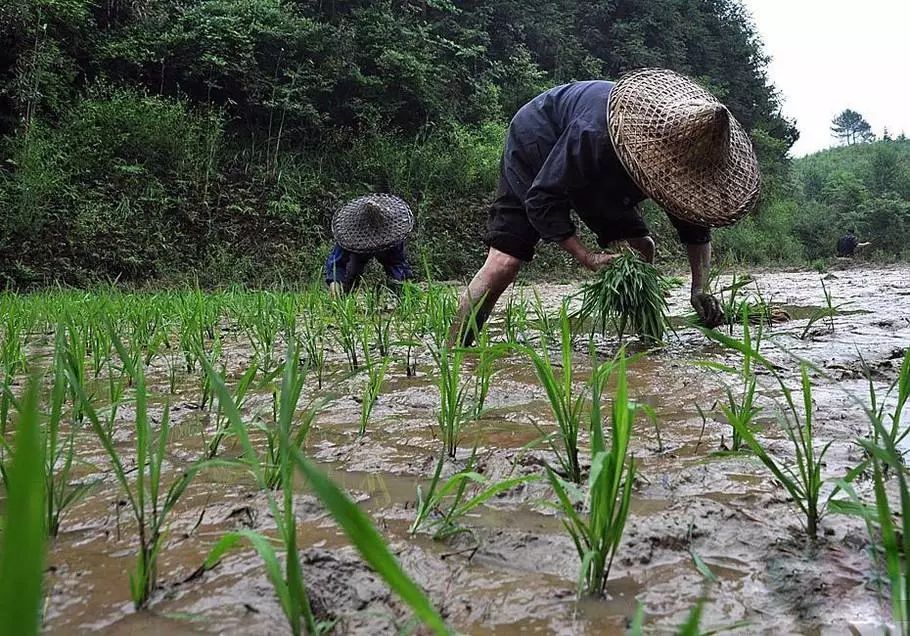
(516, 572)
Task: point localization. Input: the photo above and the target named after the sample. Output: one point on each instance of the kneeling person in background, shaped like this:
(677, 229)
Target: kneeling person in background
(372, 226)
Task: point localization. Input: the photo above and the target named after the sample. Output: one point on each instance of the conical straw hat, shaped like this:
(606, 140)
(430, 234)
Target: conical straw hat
(683, 148)
(372, 223)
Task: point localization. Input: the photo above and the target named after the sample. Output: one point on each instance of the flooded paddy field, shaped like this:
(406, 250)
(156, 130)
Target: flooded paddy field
(514, 568)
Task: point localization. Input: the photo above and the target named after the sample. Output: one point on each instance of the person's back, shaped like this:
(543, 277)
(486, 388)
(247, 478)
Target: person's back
(846, 245)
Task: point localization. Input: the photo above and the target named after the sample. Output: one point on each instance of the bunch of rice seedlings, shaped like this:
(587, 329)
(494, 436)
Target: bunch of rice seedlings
(629, 296)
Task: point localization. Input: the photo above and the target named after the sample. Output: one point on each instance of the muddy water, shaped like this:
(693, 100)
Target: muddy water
(516, 571)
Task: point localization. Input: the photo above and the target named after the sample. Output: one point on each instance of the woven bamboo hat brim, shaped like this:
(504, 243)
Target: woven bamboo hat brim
(683, 148)
(372, 223)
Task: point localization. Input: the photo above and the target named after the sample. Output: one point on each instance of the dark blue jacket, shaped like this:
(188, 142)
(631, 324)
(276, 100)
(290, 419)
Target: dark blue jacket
(562, 138)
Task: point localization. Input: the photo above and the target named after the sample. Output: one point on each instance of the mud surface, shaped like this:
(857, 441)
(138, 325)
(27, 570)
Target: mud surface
(516, 571)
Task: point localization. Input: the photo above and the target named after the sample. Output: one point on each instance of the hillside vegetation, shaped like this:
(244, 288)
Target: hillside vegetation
(210, 140)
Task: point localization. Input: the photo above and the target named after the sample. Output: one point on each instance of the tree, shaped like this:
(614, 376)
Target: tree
(850, 127)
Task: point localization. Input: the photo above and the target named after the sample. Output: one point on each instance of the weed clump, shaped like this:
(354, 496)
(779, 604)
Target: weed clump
(629, 296)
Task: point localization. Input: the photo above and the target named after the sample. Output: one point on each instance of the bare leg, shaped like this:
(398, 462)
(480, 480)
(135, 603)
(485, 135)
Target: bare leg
(643, 245)
(497, 273)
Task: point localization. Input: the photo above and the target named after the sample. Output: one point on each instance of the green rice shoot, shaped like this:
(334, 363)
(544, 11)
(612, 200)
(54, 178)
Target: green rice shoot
(629, 296)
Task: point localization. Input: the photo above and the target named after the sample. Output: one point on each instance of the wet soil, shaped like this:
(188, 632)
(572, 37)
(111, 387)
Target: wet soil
(517, 569)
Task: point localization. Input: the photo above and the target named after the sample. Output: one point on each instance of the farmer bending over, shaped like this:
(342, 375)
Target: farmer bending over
(600, 149)
(373, 226)
(847, 244)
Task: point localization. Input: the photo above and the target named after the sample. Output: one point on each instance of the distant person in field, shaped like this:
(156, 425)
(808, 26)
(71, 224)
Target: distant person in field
(847, 244)
(372, 226)
(600, 149)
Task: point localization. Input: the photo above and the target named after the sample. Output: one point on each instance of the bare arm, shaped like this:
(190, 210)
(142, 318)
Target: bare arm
(700, 264)
(590, 260)
(707, 307)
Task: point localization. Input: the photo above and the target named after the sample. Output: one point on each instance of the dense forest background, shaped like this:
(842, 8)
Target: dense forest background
(210, 140)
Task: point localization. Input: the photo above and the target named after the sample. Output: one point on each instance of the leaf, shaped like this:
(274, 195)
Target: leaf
(369, 542)
(23, 539)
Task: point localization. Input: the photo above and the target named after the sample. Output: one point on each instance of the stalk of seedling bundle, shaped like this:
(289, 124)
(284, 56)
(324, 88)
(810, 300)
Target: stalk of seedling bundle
(565, 404)
(149, 508)
(609, 489)
(630, 294)
(23, 541)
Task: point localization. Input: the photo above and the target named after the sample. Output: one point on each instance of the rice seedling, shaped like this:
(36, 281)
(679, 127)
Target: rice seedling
(441, 509)
(543, 321)
(260, 319)
(454, 410)
(888, 523)
(740, 410)
(565, 403)
(487, 355)
(289, 585)
(379, 320)
(440, 307)
(346, 316)
(609, 489)
(375, 377)
(274, 472)
(369, 543)
(802, 480)
(628, 295)
(895, 414)
(23, 542)
(59, 448)
(149, 505)
(829, 311)
(410, 325)
(314, 337)
(222, 423)
(515, 321)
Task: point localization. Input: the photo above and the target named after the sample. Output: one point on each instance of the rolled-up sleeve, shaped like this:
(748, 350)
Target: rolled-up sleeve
(569, 166)
(690, 233)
